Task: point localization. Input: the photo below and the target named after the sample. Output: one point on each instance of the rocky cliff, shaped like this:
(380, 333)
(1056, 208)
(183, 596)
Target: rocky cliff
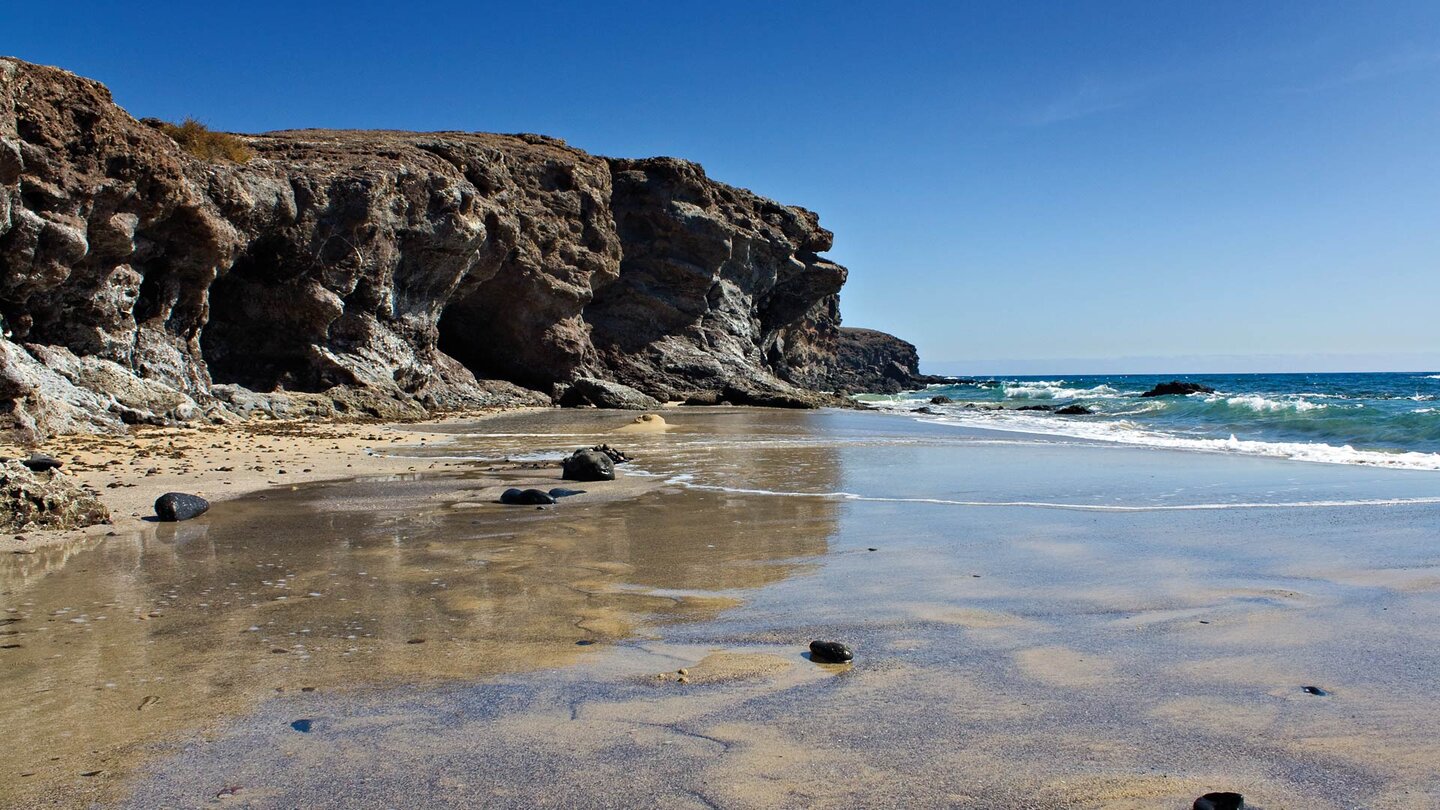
(867, 360)
(379, 273)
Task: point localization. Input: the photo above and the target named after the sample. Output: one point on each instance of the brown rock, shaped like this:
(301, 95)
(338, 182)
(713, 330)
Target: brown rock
(44, 500)
(377, 274)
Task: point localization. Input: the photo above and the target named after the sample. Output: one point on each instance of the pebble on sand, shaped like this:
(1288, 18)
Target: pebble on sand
(830, 652)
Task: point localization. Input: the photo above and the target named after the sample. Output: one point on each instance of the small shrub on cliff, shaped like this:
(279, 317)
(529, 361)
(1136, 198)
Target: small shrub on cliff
(203, 142)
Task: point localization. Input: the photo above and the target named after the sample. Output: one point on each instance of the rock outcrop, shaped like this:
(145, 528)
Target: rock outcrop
(44, 500)
(384, 274)
(1176, 388)
(867, 360)
(588, 391)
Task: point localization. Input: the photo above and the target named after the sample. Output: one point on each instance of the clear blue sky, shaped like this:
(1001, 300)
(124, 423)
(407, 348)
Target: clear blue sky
(1015, 186)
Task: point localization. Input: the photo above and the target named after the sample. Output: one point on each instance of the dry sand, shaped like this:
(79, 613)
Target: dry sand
(221, 462)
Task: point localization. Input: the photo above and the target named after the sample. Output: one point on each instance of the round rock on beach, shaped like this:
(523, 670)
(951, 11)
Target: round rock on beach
(526, 497)
(1220, 801)
(830, 652)
(173, 506)
(39, 462)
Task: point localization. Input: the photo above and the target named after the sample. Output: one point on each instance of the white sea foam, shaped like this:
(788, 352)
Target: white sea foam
(1260, 404)
(1054, 389)
(1123, 431)
(1082, 507)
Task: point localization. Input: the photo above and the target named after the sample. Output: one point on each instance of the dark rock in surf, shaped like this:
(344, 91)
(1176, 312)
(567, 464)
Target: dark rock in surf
(526, 497)
(1074, 410)
(39, 462)
(830, 652)
(940, 399)
(173, 506)
(588, 465)
(1036, 408)
(615, 455)
(1220, 801)
(1178, 388)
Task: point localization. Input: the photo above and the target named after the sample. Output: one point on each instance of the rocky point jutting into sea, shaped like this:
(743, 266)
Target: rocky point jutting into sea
(390, 274)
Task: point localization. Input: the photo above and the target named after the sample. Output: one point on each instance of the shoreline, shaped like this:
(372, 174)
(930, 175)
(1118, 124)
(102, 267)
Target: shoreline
(224, 462)
(409, 625)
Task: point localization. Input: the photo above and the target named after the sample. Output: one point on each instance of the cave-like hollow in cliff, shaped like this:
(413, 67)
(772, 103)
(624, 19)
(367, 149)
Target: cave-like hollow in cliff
(265, 325)
(486, 331)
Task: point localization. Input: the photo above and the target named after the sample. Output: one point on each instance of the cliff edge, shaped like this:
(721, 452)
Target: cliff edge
(383, 274)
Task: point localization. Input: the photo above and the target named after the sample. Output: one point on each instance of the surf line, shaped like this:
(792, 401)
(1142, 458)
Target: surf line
(1078, 507)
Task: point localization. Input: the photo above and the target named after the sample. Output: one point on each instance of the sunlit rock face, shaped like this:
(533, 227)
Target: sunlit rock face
(378, 273)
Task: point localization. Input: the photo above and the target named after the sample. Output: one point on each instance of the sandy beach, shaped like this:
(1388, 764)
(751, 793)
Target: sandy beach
(395, 636)
(220, 462)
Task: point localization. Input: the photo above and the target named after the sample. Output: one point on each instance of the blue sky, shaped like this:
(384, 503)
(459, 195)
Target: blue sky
(1020, 186)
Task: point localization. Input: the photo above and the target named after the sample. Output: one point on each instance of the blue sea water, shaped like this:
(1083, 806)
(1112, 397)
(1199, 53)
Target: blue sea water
(1383, 419)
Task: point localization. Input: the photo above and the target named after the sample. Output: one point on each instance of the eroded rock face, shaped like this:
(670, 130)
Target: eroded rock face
(588, 391)
(44, 500)
(871, 361)
(718, 288)
(383, 274)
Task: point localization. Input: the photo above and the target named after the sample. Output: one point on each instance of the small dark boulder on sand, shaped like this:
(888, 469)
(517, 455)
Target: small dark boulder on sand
(588, 465)
(830, 652)
(1074, 410)
(1314, 690)
(1220, 801)
(940, 399)
(173, 506)
(1178, 388)
(39, 462)
(536, 497)
(526, 497)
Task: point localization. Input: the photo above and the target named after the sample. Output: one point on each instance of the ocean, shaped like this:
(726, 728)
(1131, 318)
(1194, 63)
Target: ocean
(1380, 419)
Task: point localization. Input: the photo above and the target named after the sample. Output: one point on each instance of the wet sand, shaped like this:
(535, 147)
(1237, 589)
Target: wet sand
(401, 641)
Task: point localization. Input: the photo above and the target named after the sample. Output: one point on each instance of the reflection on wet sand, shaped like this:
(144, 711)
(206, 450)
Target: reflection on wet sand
(114, 647)
(1005, 657)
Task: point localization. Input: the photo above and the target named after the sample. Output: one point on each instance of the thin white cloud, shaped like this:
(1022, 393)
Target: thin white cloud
(1382, 67)
(1393, 65)
(1091, 97)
